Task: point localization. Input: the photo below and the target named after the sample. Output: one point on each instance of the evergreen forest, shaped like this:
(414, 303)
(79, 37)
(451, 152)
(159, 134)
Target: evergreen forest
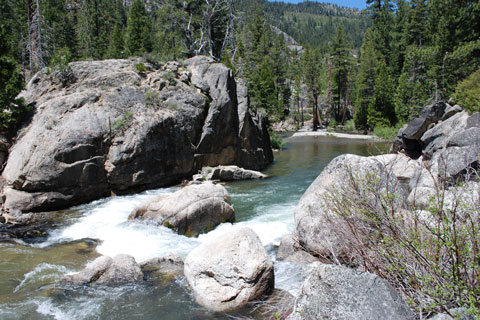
(368, 70)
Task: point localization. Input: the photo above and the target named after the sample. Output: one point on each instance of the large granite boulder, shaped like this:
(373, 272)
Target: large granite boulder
(314, 220)
(408, 137)
(228, 271)
(230, 131)
(337, 292)
(111, 129)
(450, 154)
(190, 211)
(438, 137)
(107, 271)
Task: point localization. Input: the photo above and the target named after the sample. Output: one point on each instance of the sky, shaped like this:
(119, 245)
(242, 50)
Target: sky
(360, 4)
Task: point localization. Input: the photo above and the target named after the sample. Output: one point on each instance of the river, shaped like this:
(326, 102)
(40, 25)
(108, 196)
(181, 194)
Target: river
(80, 234)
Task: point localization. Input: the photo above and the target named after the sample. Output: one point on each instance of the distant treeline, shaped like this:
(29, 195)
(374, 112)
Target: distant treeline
(378, 66)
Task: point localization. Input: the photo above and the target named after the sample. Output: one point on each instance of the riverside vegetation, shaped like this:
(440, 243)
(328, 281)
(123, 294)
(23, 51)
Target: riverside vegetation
(306, 61)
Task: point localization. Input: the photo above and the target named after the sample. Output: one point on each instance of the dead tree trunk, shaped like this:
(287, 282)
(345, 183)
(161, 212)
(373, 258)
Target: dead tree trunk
(35, 37)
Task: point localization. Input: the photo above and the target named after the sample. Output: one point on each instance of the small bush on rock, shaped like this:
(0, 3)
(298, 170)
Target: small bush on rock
(140, 67)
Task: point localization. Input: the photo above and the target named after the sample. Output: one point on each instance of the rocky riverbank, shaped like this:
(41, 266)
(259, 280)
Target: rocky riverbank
(358, 208)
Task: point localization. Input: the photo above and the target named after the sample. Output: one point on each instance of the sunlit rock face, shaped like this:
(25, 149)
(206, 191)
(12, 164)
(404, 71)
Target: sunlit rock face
(105, 127)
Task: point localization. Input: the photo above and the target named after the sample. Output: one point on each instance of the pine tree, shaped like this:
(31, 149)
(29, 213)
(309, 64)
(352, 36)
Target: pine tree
(381, 110)
(116, 45)
(264, 91)
(417, 23)
(365, 81)
(383, 24)
(342, 64)
(138, 38)
(399, 38)
(85, 32)
(311, 73)
(11, 83)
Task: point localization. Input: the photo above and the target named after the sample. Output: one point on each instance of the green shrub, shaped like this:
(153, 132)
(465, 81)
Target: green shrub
(60, 60)
(467, 93)
(349, 125)
(173, 106)
(141, 67)
(387, 133)
(276, 141)
(430, 253)
(332, 123)
(121, 123)
(151, 98)
(170, 77)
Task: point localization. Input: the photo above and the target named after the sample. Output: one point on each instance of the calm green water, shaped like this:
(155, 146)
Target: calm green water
(28, 272)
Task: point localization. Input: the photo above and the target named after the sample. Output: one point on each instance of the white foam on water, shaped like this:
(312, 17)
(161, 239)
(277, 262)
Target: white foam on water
(270, 224)
(46, 308)
(144, 241)
(38, 273)
(108, 222)
(85, 309)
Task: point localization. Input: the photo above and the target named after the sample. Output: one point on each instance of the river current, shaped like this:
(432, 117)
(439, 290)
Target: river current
(79, 235)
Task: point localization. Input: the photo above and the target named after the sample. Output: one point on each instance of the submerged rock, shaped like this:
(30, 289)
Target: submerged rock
(110, 130)
(230, 173)
(190, 211)
(229, 270)
(164, 268)
(107, 271)
(91, 273)
(337, 292)
(17, 225)
(123, 269)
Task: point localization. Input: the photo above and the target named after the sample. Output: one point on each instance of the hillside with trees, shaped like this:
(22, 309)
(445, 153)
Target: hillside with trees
(364, 69)
(252, 37)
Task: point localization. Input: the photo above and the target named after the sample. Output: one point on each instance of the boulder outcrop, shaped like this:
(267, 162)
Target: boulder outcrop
(190, 211)
(111, 129)
(457, 314)
(450, 153)
(434, 165)
(230, 270)
(337, 292)
(313, 216)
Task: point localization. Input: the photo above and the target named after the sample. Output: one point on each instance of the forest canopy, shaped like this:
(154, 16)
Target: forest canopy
(378, 66)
